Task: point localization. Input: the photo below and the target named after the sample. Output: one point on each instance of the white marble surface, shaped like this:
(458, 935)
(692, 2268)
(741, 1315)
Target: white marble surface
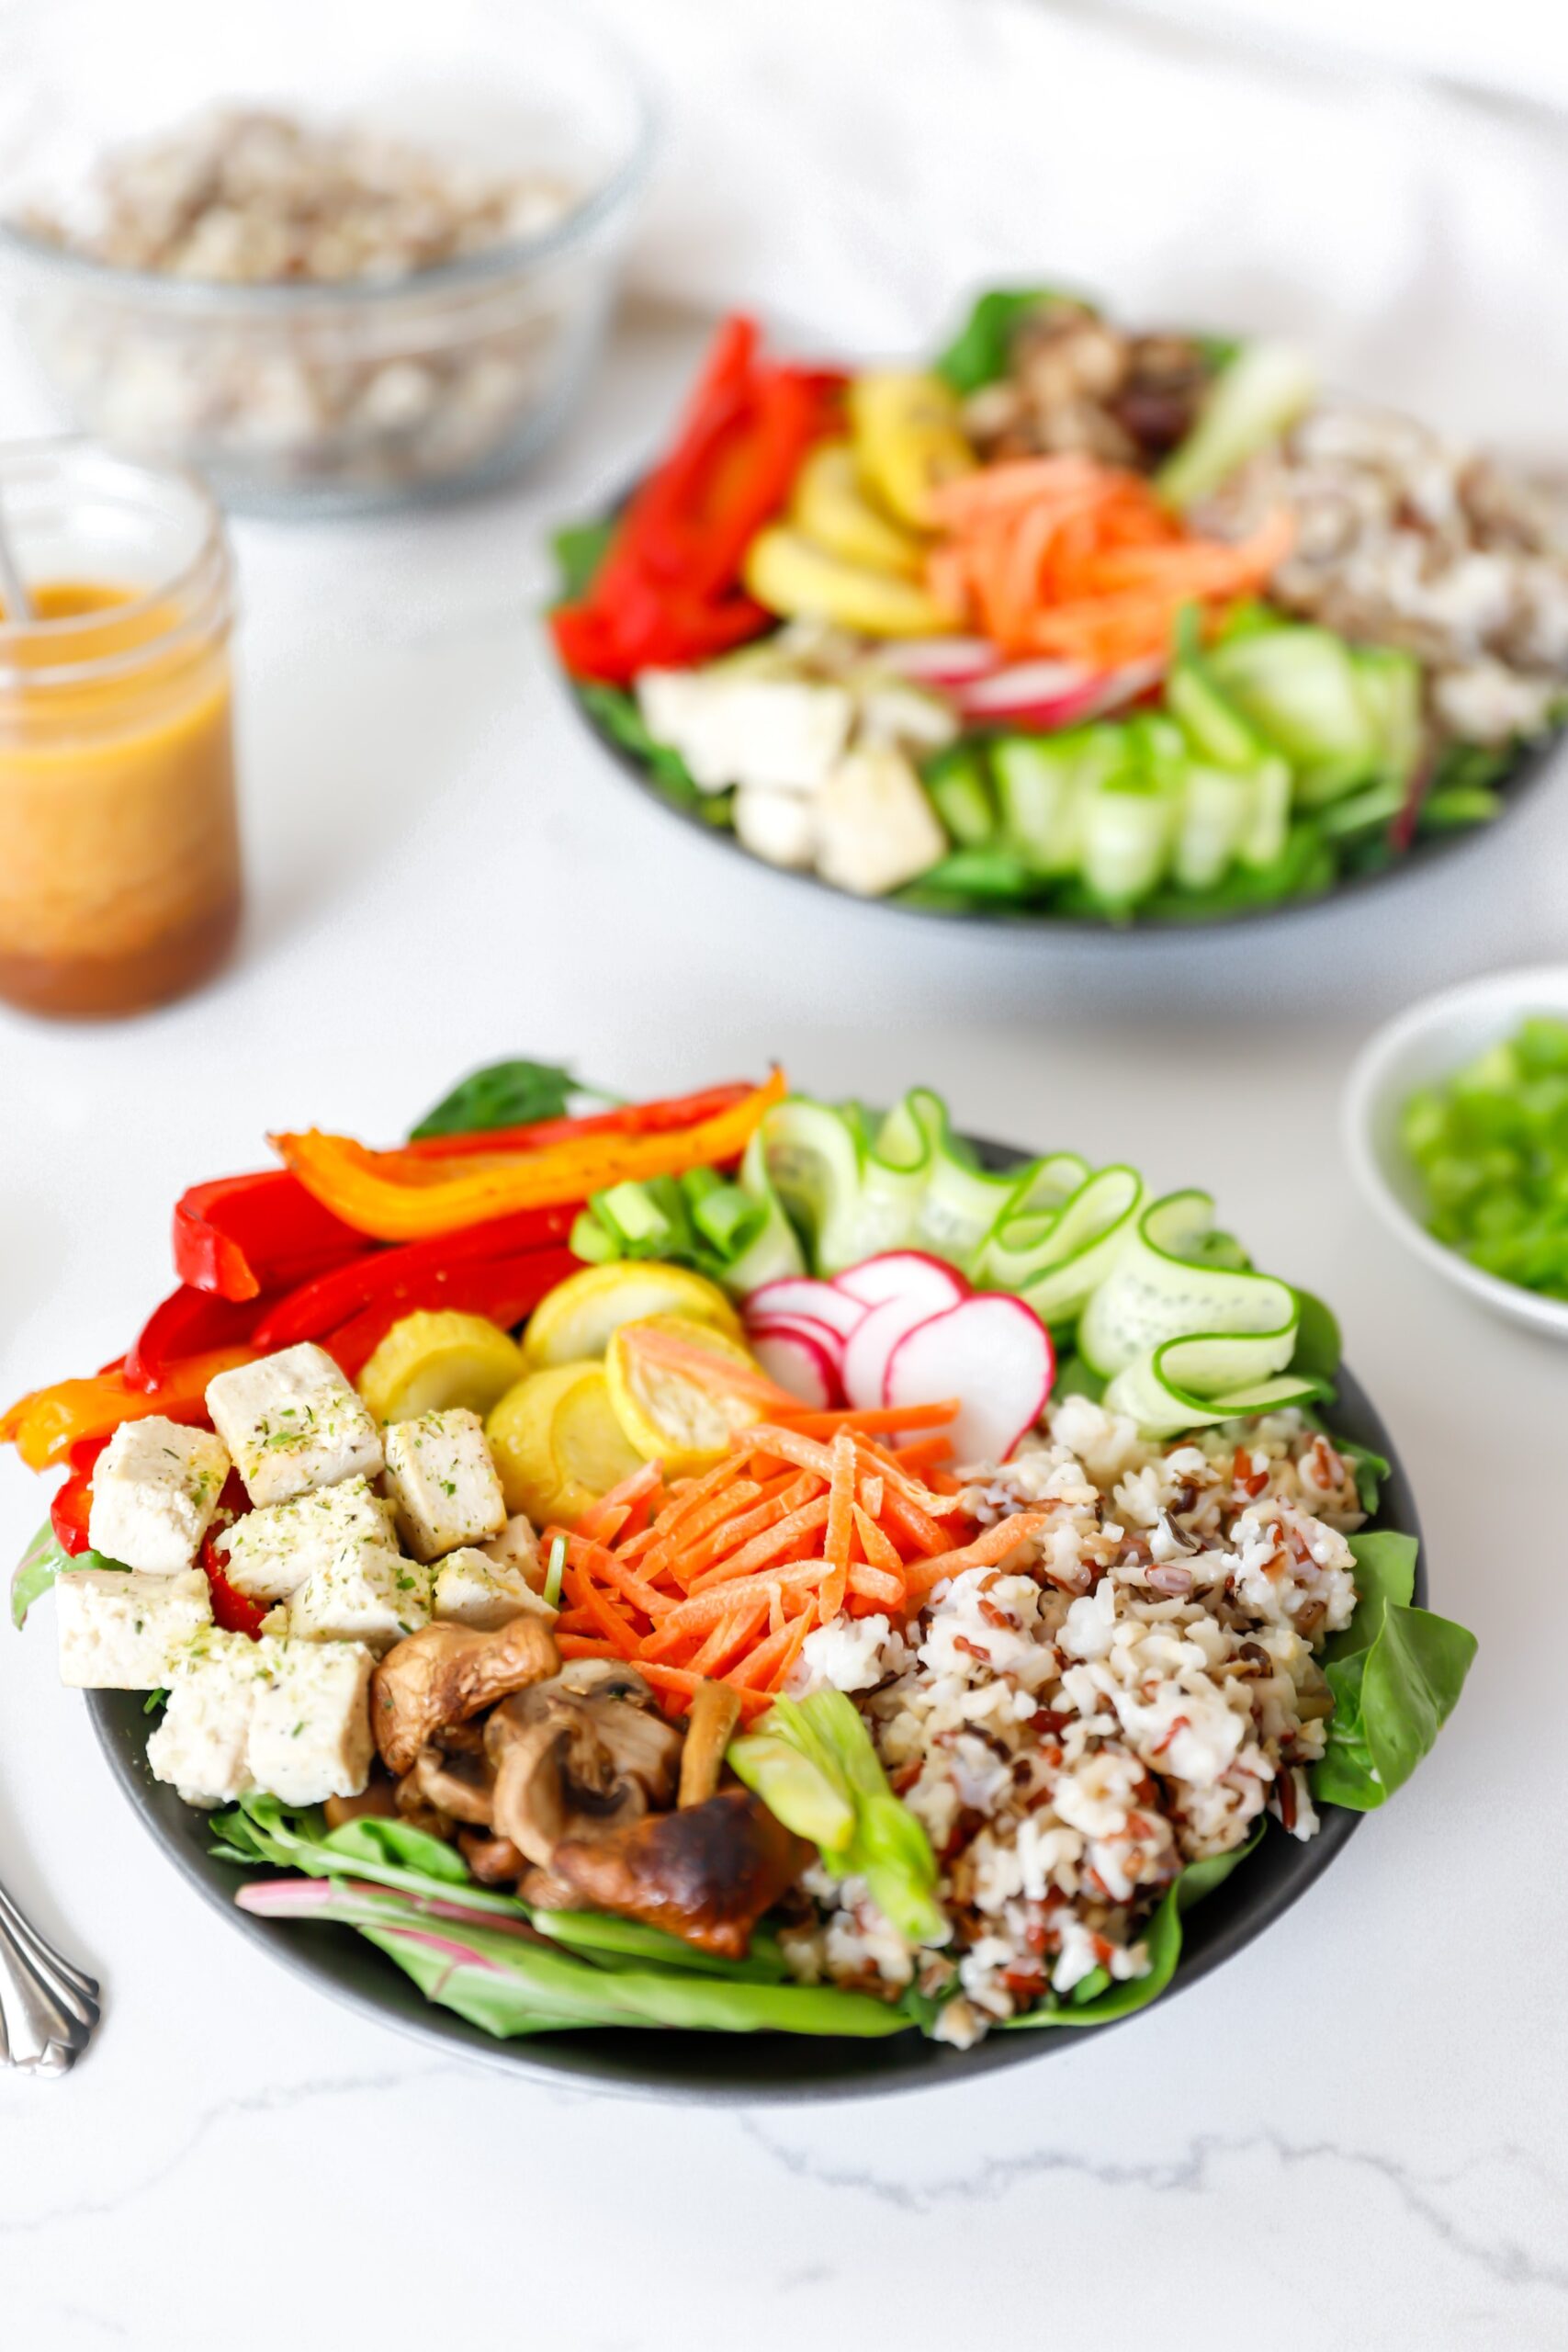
(1355, 2130)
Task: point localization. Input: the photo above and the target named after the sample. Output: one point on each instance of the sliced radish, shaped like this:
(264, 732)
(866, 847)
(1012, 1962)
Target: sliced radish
(1018, 684)
(795, 1296)
(797, 1362)
(994, 1354)
(914, 1288)
(942, 661)
(903, 1273)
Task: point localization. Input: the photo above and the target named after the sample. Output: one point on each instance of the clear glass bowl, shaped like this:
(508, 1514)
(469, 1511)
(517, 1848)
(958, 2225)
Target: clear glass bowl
(305, 396)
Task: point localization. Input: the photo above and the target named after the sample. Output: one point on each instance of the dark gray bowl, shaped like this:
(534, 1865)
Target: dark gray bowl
(718, 2066)
(1531, 767)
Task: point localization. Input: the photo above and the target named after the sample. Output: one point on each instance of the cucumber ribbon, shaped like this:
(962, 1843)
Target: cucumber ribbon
(1181, 1339)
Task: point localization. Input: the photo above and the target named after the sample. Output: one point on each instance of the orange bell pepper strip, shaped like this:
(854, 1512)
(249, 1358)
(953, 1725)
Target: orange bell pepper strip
(44, 1426)
(404, 1196)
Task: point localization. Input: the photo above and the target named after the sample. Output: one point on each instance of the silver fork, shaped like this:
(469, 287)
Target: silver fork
(48, 2009)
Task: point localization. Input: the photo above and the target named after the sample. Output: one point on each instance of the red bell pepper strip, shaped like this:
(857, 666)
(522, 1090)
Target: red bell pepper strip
(656, 1118)
(189, 1323)
(232, 1611)
(73, 1505)
(238, 1235)
(321, 1307)
(46, 1424)
(505, 1290)
(668, 593)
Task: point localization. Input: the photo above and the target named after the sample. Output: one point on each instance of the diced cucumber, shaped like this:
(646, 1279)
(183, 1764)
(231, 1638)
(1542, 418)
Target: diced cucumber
(1300, 687)
(1040, 782)
(960, 794)
(1127, 828)
(1216, 812)
(1268, 823)
(1214, 725)
(1252, 402)
(1390, 684)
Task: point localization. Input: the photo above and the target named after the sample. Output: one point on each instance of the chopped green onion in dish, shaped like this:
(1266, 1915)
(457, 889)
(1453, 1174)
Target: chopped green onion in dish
(1491, 1143)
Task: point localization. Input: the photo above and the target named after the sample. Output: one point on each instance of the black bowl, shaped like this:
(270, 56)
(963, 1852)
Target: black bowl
(719, 2066)
(1526, 772)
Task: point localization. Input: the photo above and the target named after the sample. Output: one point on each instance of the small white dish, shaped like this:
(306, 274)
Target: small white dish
(1423, 1046)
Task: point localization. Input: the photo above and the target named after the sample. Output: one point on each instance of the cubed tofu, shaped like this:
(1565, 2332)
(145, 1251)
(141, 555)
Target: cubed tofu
(778, 826)
(309, 1735)
(123, 1629)
(875, 828)
(730, 727)
(517, 1546)
(370, 1594)
(473, 1590)
(442, 1483)
(155, 1487)
(203, 1743)
(270, 1552)
(292, 1422)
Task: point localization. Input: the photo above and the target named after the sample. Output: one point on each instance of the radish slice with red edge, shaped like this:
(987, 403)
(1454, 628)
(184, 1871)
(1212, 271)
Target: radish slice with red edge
(795, 1296)
(992, 1352)
(796, 1362)
(915, 1288)
(903, 1273)
(941, 660)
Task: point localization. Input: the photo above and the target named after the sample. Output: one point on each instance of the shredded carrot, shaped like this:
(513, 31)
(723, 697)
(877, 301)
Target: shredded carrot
(725, 1575)
(1065, 556)
(878, 1420)
(994, 1545)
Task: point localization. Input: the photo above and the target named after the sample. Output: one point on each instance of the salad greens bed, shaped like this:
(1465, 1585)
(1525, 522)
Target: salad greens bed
(1491, 1143)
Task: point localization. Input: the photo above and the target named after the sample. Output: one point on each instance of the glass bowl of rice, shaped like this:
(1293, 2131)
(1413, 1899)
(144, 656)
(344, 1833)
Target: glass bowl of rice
(334, 256)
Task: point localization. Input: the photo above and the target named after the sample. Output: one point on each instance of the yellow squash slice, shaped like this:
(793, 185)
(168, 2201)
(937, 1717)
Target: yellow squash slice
(434, 1360)
(575, 1320)
(682, 1390)
(558, 1442)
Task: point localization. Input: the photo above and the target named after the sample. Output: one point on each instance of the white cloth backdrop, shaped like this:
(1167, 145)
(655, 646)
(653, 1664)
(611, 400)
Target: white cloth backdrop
(851, 167)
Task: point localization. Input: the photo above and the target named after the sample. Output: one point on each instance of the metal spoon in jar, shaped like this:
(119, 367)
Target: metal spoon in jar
(19, 605)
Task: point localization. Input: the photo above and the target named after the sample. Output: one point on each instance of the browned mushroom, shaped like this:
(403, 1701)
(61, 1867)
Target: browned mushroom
(707, 1875)
(495, 1862)
(445, 1674)
(579, 1755)
(378, 1799)
(453, 1773)
(710, 1727)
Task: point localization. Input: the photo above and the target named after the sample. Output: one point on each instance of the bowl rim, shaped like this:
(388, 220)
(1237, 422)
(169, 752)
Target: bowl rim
(1529, 770)
(1367, 1090)
(737, 2069)
(209, 298)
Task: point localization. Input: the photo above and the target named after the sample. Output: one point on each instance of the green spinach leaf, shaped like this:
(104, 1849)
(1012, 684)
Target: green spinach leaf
(1162, 1937)
(979, 353)
(502, 1094)
(578, 551)
(1396, 1672)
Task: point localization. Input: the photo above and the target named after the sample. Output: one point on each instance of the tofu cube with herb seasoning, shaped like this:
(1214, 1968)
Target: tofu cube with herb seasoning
(125, 1630)
(155, 1487)
(288, 1717)
(269, 1553)
(473, 1590)
(309, 1735)
(368, 1594)
(203, 1742)
(442, 1483)
(517, 1546)
(292, 1423)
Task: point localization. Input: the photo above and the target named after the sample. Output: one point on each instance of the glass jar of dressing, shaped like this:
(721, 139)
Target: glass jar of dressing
(120, 858)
